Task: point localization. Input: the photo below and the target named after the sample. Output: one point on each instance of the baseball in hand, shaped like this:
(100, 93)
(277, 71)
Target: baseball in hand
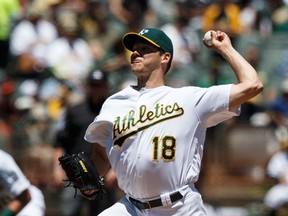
(208, 38)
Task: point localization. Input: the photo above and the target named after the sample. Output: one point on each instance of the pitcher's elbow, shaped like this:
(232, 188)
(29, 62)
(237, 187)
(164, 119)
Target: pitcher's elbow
(258, 86)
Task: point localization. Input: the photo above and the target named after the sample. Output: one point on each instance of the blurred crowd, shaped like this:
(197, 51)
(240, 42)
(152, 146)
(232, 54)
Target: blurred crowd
(48, 48)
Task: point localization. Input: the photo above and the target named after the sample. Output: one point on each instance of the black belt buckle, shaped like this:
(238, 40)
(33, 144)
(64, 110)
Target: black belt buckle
(175, 196)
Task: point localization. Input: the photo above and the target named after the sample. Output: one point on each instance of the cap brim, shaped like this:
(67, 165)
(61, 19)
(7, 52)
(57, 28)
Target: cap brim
(130, 38)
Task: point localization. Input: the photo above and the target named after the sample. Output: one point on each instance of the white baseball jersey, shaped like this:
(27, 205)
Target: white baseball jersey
(13, 183)
(154, 137)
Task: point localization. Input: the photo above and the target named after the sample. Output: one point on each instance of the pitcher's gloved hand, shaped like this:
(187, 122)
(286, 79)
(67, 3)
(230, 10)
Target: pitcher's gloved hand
(82, 175)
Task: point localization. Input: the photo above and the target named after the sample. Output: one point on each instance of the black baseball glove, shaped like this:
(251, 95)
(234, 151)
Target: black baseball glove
(82, 174)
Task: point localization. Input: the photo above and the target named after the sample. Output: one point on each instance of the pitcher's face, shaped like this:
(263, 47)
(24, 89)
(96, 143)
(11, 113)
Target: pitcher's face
(145, 57)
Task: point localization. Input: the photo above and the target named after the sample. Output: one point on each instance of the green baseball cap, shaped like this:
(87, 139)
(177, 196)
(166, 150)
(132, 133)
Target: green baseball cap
(154, 36)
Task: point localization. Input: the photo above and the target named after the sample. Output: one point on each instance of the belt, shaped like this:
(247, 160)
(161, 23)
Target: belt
(156, 202)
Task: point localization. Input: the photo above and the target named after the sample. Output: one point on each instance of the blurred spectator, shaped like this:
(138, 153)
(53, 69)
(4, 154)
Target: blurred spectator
(29, 41)
(17, 195)
(129, 12)
(248, 16)
(116, 63)
(7, 111)
(27, 128)
(98, 29)
(34, 117)
(277, 111)
(279, 107)
(95, 22)
(70, 139)
(223, 15)
(263, 20)
(281, 70)
(69, 57)
(186, 45)
(279, 15)
(6, 99)
(277, 169)
(9, 10)
(165, 11)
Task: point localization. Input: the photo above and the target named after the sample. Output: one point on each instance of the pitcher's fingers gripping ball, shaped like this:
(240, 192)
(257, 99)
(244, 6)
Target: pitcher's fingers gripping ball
(208, 38)
(82, 174)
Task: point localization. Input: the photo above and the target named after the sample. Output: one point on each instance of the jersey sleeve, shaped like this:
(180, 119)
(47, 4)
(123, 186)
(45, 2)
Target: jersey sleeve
(11, 175)
(99, 132)
(212, 106)
(101, 129)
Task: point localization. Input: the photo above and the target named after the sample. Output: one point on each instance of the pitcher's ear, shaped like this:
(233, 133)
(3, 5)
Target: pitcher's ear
(167, 59)
(166, 56)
